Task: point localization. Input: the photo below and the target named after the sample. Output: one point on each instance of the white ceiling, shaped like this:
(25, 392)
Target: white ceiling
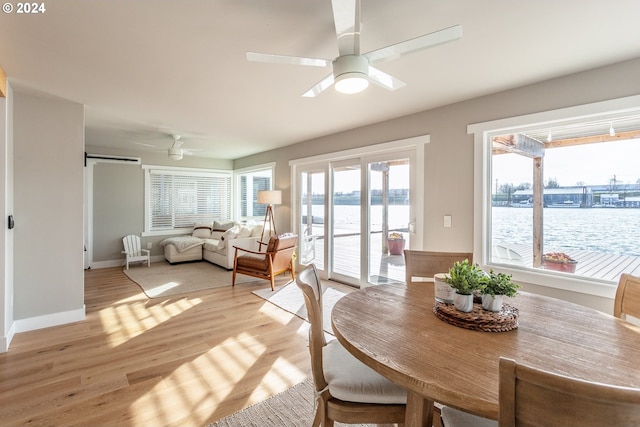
(149, 68)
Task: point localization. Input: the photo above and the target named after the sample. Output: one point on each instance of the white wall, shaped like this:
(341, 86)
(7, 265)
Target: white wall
(48, 191)
(6, 208)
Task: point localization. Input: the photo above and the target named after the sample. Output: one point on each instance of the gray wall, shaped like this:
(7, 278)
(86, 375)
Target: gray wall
(118, 204)
(48, 246)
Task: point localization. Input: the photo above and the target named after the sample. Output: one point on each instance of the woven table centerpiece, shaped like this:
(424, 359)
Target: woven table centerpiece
(478, 319)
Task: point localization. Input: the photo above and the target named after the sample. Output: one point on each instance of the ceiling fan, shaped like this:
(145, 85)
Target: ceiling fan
(175, 151)
(352, 70)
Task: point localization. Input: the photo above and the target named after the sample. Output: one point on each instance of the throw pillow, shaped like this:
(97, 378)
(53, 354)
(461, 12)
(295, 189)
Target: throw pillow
(219, 226)
(227, 235)
(244, 232)
(256, 230)
(202, 231)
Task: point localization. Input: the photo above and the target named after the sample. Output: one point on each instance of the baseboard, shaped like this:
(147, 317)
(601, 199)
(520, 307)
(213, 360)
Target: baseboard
(120, 262)
(48, 320)
(5, 341)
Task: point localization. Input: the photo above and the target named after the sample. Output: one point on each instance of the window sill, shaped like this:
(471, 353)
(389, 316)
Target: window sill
(565, 282)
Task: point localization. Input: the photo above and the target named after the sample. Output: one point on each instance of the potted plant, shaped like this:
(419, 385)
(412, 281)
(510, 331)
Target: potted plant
(465, 278)
(559, 261)
(395, 243)
(497, 285)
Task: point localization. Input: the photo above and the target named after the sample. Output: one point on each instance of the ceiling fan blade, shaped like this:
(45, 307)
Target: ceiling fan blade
(346, 15)
(385, 80)
(147, 145)
(284, 59)
(320, 87)
(419, 43)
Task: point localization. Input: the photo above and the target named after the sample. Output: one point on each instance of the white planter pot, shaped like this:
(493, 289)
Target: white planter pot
(444, 292)
(463, 302)
(492, 303)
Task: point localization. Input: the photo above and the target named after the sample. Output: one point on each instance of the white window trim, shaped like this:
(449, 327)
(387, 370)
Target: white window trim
(147, 190)
(482, 185)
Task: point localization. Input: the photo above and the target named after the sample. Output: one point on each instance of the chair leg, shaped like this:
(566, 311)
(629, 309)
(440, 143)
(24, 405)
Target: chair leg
(273, 282)
(233, 278)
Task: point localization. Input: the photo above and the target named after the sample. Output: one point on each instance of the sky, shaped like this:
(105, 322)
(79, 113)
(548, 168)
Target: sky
(589, 164)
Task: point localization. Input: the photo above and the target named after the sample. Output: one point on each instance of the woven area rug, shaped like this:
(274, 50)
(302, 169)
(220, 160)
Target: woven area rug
(293, 407)
(163, 279)
(290, 298)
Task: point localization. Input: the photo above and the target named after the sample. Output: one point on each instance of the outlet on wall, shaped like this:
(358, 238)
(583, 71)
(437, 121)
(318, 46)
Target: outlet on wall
(149, 245)
(447, 221)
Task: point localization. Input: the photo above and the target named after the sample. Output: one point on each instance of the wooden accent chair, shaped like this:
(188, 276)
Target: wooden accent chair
(426, 264)
(278, 258)
(133, 252)
(346, 390)
(532, 397)
(627, 299)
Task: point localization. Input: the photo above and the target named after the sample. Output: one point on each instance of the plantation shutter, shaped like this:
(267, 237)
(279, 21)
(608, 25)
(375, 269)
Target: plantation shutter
(180, 199)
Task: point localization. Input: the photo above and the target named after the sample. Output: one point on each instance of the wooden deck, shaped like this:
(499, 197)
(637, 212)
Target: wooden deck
(385, 268)
(595, 265)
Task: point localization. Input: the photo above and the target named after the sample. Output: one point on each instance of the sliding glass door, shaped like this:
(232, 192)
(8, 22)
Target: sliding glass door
(346, 226)
(356, 217)
(389, 217)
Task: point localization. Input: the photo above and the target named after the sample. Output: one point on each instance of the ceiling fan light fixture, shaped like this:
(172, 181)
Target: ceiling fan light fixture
(350, 83)
(175, 153)
(351, 74)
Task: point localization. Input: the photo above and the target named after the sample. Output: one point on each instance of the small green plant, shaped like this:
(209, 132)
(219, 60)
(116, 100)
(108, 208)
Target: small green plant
(465, 277)
(500, 284)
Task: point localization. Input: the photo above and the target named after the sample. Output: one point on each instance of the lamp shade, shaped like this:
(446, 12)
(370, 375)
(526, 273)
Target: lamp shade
(270, 197)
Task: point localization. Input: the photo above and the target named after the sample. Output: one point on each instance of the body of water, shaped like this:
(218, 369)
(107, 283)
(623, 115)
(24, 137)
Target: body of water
(614, 231)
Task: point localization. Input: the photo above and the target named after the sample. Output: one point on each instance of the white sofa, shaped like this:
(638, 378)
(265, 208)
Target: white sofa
(215, 242)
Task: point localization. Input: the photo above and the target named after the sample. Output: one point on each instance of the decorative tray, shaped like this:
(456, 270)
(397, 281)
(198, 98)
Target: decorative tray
(478, 319)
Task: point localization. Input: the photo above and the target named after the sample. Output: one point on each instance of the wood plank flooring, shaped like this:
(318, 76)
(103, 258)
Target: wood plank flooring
(178, 361)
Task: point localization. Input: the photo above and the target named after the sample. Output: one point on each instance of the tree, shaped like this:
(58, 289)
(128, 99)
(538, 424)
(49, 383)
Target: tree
(508, 189)
(552, 183)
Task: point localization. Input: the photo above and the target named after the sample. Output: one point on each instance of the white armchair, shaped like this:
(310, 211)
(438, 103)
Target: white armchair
(133, 252)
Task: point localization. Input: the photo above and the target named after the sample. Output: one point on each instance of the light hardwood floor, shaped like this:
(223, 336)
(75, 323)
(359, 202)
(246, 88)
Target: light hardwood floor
(186, 360)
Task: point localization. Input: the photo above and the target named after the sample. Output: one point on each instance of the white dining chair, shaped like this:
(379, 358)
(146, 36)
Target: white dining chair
(346, 390)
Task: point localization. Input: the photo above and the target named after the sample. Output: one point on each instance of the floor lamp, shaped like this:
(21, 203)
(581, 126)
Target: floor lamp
(270, 198)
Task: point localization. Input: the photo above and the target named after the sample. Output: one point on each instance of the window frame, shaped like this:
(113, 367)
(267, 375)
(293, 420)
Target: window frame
(180, 171)
(237, 176)
(482, 133)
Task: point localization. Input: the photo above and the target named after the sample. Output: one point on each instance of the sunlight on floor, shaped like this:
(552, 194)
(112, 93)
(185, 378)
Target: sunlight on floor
(122, 322)
(212, 376)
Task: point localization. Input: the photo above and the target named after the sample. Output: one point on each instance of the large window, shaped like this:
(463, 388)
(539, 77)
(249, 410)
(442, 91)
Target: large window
(176, 199)
(248, 183)
(563, 197)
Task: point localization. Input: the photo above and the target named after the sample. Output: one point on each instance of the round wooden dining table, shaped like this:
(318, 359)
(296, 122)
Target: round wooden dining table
(393, 329)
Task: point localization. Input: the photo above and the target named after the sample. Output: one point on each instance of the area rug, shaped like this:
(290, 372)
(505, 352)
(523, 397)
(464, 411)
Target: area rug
(163, 279)
(290, 298)
(293, 407)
